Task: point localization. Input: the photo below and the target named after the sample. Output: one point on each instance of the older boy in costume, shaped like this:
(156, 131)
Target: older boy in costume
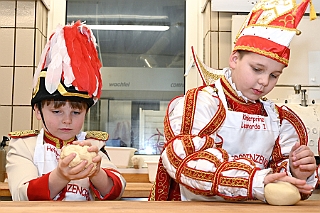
(224, 141)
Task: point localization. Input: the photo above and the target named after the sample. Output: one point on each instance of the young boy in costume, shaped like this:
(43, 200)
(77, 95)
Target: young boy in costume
(67, 83)
(223, 140)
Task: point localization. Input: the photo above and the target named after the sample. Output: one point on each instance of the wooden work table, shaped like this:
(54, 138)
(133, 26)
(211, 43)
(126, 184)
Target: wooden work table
(4, 190)
(132, 190)
(138, 185)
(154, 207)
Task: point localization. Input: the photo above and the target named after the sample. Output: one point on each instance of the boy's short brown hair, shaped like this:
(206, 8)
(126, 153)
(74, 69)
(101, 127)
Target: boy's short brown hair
(58, 103)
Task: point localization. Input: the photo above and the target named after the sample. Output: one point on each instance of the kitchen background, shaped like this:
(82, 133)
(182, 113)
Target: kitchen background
(143, 70)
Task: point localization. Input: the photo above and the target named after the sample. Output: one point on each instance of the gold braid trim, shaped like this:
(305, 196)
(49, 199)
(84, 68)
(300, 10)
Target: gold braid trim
(208, 144)
(98, 135)
(234, 182)
(168, 133)
(23, 134)
(209, 77)
(174, 159)
(276, 156)
(57, 140)
(218, 179)
(62, 90)
(262, 52)
(215, 122)
(197, 174)
(230, 92)
(152, 195)
(189, 111)
(188, 144)
(297, 124)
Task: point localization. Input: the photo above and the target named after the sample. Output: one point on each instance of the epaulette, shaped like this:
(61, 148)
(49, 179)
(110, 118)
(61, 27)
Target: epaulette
(98, 135)
(24, 134)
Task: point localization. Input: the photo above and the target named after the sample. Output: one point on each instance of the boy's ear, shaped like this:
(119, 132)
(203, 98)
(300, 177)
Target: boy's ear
(233, 59)
(37, 112)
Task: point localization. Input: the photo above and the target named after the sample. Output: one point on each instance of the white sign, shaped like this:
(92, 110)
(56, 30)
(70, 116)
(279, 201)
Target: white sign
(145, 79)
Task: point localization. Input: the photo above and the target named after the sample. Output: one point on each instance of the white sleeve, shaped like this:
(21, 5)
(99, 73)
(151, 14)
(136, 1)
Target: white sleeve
(206, 170)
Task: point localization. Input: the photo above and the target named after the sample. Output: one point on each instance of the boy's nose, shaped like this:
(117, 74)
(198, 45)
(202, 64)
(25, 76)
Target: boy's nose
(264, 80)
(67, 119)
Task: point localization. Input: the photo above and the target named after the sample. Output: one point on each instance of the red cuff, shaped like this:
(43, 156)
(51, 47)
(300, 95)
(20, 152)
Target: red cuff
(115, 190)
(38, 189)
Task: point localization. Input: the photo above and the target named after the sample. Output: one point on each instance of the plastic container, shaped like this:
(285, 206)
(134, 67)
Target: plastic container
(121, 156)
(152, 170)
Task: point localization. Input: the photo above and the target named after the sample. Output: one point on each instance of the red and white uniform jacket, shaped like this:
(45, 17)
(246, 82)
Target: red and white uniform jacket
(220, 146)
(32, 155)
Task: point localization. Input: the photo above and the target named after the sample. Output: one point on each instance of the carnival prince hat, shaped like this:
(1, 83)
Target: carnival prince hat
(270, 27)
(69, 67)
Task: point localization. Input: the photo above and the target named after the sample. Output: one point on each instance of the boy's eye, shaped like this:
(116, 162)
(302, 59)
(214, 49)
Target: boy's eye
(256, 69)
(274, 76)
(55, 111)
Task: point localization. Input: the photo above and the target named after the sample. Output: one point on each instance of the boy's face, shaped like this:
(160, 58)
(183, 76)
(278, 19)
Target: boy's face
(254, 75)
(63, 122)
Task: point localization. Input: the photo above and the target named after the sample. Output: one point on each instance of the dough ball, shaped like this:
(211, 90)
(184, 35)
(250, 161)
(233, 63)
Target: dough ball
(281, 194)
(81, 154)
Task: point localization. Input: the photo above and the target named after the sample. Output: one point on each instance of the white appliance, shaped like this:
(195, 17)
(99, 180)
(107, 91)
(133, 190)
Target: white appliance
(309, 113)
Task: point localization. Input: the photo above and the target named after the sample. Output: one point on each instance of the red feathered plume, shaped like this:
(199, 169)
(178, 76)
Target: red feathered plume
(85, 63)
(70, 56)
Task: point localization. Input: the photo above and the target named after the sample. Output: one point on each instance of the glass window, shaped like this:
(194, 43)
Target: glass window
(141, 45)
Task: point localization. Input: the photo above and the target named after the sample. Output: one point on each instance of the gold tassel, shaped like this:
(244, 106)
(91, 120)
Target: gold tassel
(313, 14)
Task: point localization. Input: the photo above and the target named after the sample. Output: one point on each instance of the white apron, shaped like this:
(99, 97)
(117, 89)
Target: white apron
(247, 135)
(244, 136)
(46, 157)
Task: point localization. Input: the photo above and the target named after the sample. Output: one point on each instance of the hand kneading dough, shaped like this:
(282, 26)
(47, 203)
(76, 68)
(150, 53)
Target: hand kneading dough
(281, 194)
(81, 154)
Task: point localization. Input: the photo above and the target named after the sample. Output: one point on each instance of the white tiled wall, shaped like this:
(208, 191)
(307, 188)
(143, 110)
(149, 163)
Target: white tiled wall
(7, 46)
(21, 48)
(23, 30)
(22, 90)
(24, 47)
(6, 85)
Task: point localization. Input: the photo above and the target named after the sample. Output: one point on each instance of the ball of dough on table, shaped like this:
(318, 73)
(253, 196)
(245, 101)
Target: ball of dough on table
(281, 194)
(81, 154)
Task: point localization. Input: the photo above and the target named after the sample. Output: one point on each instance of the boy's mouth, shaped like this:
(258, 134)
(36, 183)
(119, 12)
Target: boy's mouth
(256, 91)
(65, 129)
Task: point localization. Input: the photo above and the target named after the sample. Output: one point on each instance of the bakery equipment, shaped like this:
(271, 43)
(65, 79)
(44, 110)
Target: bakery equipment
(308, 111)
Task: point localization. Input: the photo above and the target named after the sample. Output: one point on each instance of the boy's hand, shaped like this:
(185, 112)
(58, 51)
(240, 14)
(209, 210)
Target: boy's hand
(96, 159)
(79, 171)
(302, 161)
(73, 173)
(302, 186)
